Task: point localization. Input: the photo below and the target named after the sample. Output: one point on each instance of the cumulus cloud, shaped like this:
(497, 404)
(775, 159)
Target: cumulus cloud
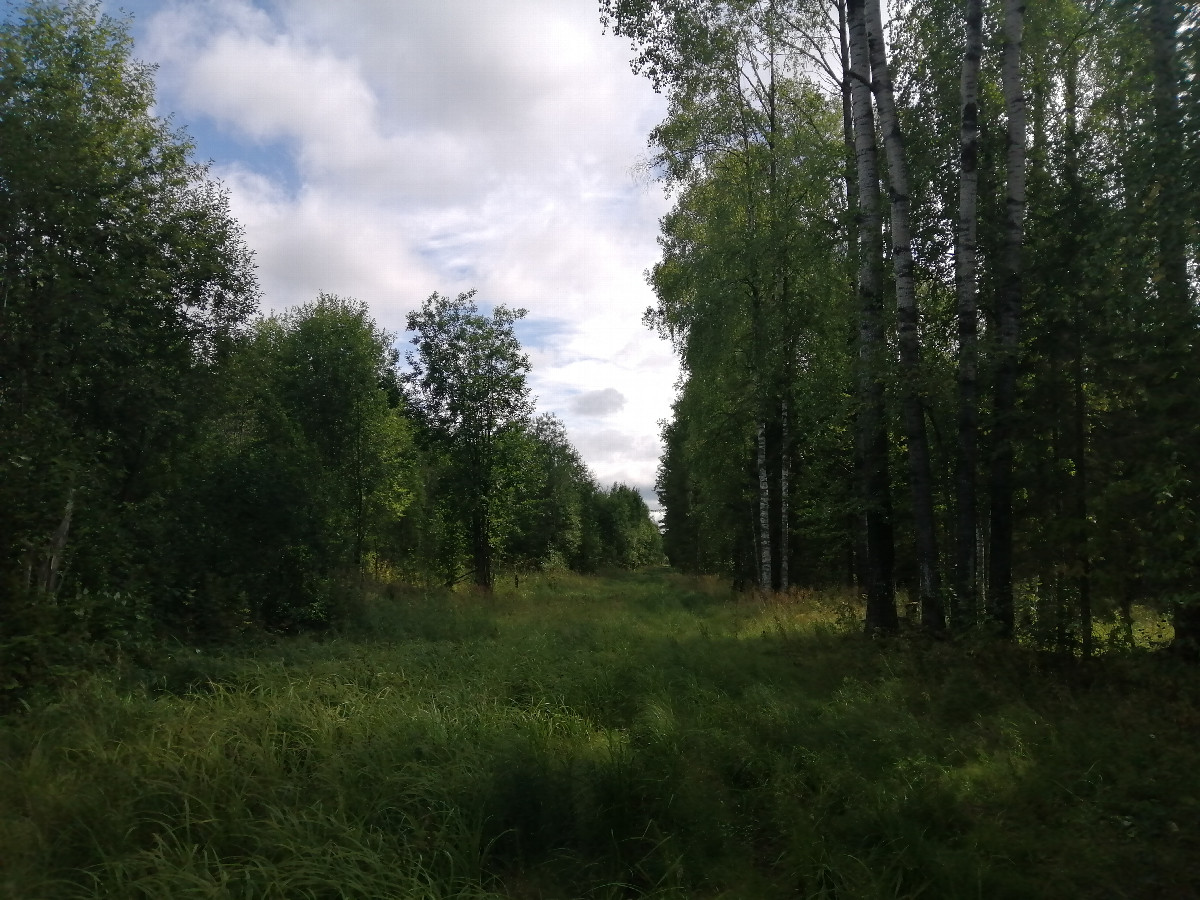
(386, 150)
(598, 403)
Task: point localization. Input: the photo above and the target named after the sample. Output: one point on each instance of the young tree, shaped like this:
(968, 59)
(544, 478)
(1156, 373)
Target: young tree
(467, 389)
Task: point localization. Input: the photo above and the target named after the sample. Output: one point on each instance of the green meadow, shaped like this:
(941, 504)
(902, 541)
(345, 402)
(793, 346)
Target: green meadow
(641, 735)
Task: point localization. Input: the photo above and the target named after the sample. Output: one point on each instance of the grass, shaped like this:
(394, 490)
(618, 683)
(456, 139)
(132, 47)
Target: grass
(635, 736)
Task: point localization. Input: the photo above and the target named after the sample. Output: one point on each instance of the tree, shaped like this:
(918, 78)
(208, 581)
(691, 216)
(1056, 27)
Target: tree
(872, 438)
(908, 327)
(552, 503)
(467, 389)
(1008, 321)
(966, 563)
(124, 277)
(628, 537)
(304, 469)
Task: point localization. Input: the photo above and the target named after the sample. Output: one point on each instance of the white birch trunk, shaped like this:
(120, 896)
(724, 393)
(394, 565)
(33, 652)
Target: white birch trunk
(908, 337)
(871, 438)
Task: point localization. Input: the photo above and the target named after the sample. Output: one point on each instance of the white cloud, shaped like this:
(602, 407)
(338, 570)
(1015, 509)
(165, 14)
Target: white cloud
(443, 146)
(598, 403)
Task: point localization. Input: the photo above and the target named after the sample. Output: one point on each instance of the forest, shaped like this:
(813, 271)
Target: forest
(933, 286)
(292, 606)
(175, 462)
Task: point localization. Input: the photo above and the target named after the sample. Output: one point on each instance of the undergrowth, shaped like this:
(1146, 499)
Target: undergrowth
(636, 736)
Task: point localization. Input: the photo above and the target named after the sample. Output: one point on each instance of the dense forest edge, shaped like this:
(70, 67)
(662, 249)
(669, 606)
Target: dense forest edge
(292, 606)
(932, 281)
(176, 465)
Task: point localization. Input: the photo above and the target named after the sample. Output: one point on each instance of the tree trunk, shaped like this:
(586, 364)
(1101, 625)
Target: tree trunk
(872, 436)
(1175, 367)
(764, 512)
(848, 124)
(966, 565)
(908, 335)
(1008, 320)
(1078, 367)
(1171, 280)
(784, 477)
(51, 575)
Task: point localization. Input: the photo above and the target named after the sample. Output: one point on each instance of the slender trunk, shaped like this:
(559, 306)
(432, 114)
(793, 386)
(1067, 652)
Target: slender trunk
(1081, 497)
(764, 512)
(908, 334)
(1078, 368)
(872, 436)
(1176, 358)
(784, 477)
(848, 126)
(1171, 280)
(52, 570)
(855, 530)
(481, 516)
(966, 564)
(1008, 320)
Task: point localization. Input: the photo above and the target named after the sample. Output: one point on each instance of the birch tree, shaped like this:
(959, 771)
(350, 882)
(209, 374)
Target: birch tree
(1008, 320)
(908, 325)
(872, 438)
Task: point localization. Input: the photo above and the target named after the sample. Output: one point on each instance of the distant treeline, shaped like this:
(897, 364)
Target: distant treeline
(169, 461)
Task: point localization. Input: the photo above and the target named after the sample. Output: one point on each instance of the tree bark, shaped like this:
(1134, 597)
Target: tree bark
(872, 436)
(1171, 280)
(1078, 365)
(51, 576)
(785, 471)
(764, 512)
(1008, 320)
(966, 565)
(1176, 364)
(908, 334)
(848, 125)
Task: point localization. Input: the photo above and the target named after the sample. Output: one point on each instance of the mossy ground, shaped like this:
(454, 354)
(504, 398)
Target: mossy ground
(633, 736)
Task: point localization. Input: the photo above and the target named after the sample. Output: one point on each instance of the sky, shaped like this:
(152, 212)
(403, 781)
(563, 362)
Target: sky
(387, 149)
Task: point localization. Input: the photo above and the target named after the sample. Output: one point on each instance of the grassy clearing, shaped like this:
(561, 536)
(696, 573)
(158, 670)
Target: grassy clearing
(640, 736)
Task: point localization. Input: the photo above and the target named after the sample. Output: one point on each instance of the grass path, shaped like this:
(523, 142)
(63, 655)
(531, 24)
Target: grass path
(635, 736)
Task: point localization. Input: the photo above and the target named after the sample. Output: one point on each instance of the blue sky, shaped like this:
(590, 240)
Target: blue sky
(386, 149)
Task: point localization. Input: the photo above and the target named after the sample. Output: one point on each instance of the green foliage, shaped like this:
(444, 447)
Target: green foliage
(751, 291)
(123, 276)
(641, 736)
(303, 473)
(467, 389)
(626, 536)
(553, 499)
(754, 290)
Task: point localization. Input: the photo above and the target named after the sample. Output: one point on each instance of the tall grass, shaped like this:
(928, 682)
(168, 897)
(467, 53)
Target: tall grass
(635, 736)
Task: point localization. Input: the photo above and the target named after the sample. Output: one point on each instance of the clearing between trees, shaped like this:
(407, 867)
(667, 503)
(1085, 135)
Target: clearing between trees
(640, 735)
